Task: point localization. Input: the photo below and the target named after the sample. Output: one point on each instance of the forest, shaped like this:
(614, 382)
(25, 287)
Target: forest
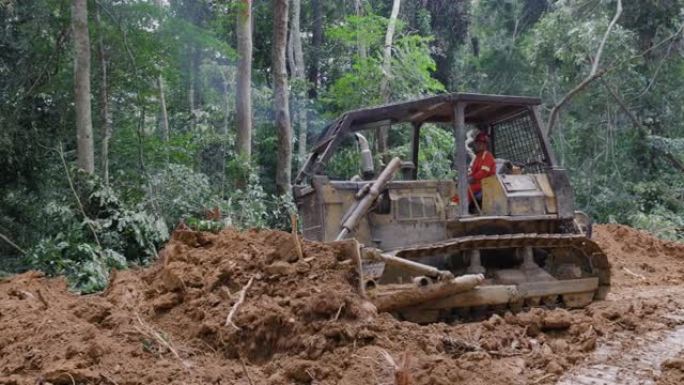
(120, 119)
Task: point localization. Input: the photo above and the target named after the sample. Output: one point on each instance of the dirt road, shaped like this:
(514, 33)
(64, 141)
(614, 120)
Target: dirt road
(632, 358)
(302, 322)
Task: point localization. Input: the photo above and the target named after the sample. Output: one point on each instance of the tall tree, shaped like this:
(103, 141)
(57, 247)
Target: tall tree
(192, 82)
(316, 43)
(84, 123)
(298, 72)
(166, 133)
(360, 45)
(281, 103)
(386, 70)
(105, 111)
(243, 95)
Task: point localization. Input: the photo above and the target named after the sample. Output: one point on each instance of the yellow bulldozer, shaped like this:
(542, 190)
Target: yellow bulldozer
(424, 252)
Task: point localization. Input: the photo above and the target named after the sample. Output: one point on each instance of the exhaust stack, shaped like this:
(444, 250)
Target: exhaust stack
(367, 167)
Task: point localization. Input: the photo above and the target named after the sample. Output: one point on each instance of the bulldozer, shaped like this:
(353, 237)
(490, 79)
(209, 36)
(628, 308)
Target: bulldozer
(426, 252)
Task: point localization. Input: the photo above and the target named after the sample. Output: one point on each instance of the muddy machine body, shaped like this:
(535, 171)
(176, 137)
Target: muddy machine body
(524, 242)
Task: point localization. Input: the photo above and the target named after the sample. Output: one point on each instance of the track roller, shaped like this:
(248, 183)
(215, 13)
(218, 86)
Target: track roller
(577, 300)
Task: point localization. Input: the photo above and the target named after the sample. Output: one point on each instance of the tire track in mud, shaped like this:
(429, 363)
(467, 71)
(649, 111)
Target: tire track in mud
(630, 359)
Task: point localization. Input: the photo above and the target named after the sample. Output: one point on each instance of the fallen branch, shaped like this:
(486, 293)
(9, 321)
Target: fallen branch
(543, 378)
(633, 274)
(14, 245)
(108, 378)
(241, 299)
(42, 299)
(148, 330)
(244, 369)
(500, 353)
(339, 311)
(78, 200)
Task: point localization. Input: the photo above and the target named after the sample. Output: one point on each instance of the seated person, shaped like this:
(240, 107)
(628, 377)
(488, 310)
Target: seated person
(483, 165)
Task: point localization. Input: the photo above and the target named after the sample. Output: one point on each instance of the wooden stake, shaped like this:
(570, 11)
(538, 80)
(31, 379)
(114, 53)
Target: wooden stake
(295, 236)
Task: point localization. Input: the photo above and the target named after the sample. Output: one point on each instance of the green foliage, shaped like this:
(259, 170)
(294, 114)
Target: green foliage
(85, 265)
(177, 191)
(661, 222)
(252, 207)
(358, 86)
(435, 153)
(84, 249)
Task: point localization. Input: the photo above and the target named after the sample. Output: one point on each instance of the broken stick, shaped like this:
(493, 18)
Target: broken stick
(241, 299)
(633, 274)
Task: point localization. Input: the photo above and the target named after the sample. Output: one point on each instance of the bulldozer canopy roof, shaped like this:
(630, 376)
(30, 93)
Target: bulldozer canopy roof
(480, 108)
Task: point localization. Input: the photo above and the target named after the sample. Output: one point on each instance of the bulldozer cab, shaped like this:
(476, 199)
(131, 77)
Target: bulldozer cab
(528, 184)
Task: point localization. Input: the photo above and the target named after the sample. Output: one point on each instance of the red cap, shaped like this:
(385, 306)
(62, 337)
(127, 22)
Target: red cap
(482, 137)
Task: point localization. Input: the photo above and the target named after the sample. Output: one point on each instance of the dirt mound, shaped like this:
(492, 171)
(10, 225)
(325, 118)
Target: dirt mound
(638, 258)
(672, 371)
(301, 322)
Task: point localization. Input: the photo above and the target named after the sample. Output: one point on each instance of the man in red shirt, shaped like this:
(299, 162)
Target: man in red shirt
(483, 166)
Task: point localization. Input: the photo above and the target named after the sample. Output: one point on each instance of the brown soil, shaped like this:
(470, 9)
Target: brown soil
(302, 321)
(639, 259)
(673, 371)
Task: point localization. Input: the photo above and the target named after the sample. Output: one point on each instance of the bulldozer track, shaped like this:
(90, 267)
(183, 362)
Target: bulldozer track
(597, 258)
(579, 242)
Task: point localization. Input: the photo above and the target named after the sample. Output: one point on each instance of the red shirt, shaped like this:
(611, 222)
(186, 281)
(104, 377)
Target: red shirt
(483, 166)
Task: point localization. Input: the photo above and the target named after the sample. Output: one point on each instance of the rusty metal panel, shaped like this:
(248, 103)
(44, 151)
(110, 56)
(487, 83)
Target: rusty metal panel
(550, 198)
(527, 205)
(565, 196)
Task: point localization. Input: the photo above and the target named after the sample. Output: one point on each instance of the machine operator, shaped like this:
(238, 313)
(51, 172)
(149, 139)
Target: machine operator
(483, 165)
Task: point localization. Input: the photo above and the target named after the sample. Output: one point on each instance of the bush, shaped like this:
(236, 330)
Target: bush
(660, 222)
(86, 248)
(177, 192)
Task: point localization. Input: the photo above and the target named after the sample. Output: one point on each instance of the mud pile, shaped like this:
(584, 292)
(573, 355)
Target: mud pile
(301, 322)
(640, 259)
(672, 371)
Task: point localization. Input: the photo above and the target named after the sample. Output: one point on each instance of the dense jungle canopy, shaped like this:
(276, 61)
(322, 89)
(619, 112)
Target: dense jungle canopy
(120, 118)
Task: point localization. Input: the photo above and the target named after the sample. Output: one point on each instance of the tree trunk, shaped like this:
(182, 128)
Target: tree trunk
(386, 70)
(84, 123)
(243, 98)
(300, 76)
(105, 113)
(290, 47)
(316, 43)
(360, 45)
(281, 106)
(166, 133)
(141, 139)
(224, 128)
(191, 86)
